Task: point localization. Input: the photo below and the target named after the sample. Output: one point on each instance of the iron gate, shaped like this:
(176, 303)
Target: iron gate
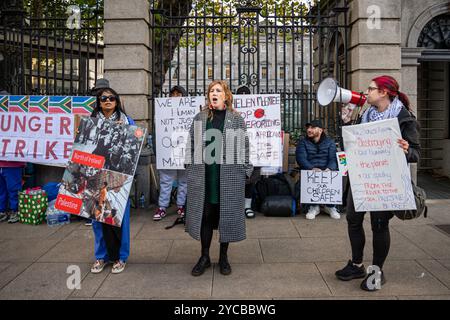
(286, 49)
(50, 54)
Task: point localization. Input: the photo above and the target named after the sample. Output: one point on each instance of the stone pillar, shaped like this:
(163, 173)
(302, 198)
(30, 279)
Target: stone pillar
(127, 57)
(374, 45)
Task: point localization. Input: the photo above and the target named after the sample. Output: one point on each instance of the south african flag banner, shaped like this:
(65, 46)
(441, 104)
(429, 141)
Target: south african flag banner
(83, 105)
(18, 104)
(38, 104)
(4, 103)
(60, 104)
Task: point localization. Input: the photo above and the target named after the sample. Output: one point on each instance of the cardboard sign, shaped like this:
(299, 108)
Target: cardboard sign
(98, 178)
(262, 117)
(321, 187)
(379, 175)
(173, 118)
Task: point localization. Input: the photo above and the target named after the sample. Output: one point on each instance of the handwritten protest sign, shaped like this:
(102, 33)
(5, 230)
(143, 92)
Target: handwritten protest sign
(321, 187)
(379, 175)
(97, 180)
(262, 117)
(173, 117)
(36, 137)
(342, 162)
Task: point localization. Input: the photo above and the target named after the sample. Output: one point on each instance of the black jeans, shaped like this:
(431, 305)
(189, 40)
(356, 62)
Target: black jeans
(380, 227)
(210, 221)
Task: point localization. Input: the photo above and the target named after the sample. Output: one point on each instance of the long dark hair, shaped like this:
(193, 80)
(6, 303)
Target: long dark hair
(392, 87)
(98, 108)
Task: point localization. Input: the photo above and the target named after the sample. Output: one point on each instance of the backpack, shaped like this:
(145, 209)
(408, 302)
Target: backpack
(420, 197)
(275, 185)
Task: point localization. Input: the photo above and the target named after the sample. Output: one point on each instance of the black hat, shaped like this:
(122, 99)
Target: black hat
(4, 93)
(315, 124)
(180, 89)
(243, 90)
(101, 84)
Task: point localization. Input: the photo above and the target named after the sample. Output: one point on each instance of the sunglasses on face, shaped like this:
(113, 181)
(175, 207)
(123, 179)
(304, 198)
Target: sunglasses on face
(106, 98)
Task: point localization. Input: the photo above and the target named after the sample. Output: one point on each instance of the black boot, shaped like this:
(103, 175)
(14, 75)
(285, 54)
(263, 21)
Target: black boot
(224, 266)
(203, 263)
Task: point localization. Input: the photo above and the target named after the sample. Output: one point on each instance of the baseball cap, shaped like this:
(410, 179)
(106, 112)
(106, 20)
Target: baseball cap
(315, 124)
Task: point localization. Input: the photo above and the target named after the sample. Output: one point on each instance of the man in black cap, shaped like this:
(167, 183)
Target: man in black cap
(317, 152)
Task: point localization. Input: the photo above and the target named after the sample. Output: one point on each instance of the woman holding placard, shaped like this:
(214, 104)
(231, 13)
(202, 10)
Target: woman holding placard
(386, 102)
(111, 243)
(216, 176)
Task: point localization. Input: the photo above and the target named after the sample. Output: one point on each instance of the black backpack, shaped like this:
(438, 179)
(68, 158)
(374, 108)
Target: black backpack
(275, 185)
(420, 197)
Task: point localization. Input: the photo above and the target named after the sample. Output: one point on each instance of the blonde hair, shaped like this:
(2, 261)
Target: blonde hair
(228, 96)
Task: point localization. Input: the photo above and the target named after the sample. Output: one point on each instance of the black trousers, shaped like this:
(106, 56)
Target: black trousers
(210, 221)
(380, 228)
(113, 241)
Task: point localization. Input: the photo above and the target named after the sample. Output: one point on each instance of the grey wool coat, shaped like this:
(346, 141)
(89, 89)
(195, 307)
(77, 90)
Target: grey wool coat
(232, 178)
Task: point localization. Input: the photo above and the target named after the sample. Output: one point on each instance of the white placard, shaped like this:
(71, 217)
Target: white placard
(173, 118)
(379, 175)
(36, 137)
(321, 187)
(262, 117)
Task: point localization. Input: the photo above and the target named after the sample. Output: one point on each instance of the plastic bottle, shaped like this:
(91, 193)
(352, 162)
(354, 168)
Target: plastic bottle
(142, 201)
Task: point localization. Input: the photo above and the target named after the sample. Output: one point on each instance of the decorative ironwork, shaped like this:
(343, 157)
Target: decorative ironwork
(436, 33)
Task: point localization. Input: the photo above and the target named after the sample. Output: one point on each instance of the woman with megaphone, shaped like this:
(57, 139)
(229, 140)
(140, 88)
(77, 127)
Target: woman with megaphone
(386, 101)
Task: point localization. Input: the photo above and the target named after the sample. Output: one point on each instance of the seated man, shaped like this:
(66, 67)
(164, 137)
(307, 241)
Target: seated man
(317, 152)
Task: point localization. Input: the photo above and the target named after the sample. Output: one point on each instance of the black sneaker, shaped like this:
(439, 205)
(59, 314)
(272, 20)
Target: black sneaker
(369, 282)
(203, 263)
(350, 272)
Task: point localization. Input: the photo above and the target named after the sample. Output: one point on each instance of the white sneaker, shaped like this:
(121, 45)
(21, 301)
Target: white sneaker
(313, 212)
(332, 212)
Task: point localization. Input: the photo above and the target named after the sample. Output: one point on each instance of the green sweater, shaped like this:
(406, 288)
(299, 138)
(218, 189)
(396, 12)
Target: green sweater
(212, 171)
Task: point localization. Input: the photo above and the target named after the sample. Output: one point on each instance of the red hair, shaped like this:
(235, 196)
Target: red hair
(391, 86)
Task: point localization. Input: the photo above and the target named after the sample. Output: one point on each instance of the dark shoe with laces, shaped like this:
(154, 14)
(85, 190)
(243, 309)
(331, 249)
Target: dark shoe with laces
(224, 266)
(203, 263)
(372, 283)
(350, 272)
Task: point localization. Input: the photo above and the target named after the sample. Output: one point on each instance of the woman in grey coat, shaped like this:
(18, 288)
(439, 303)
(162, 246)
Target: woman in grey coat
(217, 164)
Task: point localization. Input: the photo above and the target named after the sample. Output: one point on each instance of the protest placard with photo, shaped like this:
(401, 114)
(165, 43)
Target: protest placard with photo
(321, 187)
(98, 178)
(379, 174)
(262, 116)
(173, 118)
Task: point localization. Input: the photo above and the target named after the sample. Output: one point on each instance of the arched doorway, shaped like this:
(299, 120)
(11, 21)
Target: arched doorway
(433, 103)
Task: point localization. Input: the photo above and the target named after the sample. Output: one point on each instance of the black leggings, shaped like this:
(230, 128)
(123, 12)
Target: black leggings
(380, 227)
(210, 221)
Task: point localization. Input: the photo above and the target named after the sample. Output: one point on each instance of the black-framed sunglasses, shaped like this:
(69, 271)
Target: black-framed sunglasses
(110, 98)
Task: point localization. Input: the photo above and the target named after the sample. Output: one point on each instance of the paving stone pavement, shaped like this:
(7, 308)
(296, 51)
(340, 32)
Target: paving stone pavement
(282, 258)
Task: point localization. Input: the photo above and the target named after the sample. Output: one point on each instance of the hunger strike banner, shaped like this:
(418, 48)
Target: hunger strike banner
(98, 177)
(321, 187)
(173, 117)
(262, 117)
(379, 175)
(36, 137)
